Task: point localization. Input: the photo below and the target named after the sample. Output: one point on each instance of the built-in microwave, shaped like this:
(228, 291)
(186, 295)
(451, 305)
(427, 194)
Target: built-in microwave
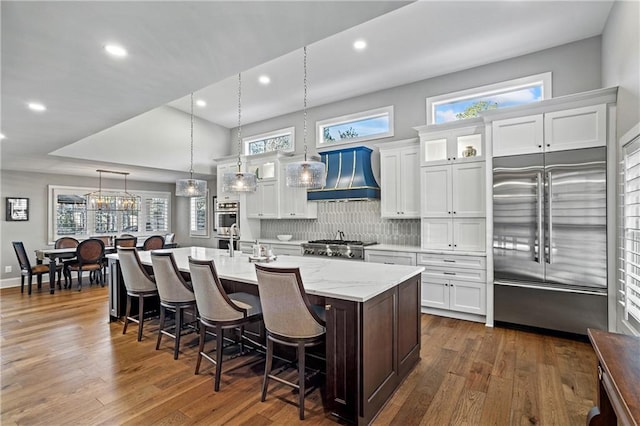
(225, 214)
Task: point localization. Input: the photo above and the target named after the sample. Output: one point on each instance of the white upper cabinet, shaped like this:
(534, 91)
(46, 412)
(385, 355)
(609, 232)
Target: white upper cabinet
(521, 135)
(263, 203)
(567, 122)
(399, 175)
(449, 143)
(576, 128)
(453, 191)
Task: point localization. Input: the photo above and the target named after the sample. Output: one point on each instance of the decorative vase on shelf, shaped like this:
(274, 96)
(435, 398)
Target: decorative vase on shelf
(469, 151)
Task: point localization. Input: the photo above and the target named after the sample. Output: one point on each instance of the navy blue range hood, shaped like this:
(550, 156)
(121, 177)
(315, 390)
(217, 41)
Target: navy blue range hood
(349, 176)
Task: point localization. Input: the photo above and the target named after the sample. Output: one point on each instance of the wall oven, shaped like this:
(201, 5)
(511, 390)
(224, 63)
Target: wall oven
(225, 214)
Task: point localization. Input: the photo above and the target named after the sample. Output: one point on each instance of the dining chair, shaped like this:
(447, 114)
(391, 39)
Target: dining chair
(89, 257)
(26, 270)
(176, 295)
(220, 311)
(67, 242)
(138, 283)
(290, 320)
(154, 242)
(125, 242)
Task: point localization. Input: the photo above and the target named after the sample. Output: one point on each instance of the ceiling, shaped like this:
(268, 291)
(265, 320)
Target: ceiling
(124, 114)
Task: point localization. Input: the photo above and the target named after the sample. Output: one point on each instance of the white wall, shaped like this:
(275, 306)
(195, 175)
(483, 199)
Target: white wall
(621, 67)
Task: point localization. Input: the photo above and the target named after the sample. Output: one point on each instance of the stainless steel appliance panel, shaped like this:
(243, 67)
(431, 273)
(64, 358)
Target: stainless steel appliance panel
(518, 186)
(225, 214)
(576, 218)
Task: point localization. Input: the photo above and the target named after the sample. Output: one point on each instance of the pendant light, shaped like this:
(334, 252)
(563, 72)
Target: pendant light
(306, 174)
(112, 200)
(239, 181)
(191, 187)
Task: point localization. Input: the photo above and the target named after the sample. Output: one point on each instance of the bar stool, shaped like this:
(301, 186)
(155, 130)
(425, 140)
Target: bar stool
(138, 284)
(219, 311)
(176, 295)
(290, 320)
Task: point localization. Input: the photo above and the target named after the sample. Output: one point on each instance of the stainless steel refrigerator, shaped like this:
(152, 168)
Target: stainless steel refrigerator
(550, 240)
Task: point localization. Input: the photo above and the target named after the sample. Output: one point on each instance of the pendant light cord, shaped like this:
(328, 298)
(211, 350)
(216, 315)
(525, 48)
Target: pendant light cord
(191, 166)
(239, 120)
(305, 105)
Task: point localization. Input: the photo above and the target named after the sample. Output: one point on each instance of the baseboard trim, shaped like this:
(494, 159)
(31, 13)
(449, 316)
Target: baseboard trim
(15, 281)
(454, 314)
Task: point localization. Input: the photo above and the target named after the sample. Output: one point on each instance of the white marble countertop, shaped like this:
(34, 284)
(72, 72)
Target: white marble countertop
(339, 279)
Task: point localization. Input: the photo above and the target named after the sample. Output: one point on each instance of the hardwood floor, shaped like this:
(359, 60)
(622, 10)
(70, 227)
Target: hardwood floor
(63, 363)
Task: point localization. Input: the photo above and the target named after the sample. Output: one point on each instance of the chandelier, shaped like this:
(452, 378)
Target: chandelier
(239, 181)
(191, 187)
(306, 174)
(112, 200)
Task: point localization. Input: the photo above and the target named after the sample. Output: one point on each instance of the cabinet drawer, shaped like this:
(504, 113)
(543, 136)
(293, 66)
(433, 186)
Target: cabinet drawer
(390, 257)
(446, 260)
(454, 273)
(286, 250)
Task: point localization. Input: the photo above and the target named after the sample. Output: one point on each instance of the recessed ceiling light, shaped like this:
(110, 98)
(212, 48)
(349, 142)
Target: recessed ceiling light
(2, 136)
(359, 44)
(201, 103)
(36, 106)
(115, 50)
(264, 79)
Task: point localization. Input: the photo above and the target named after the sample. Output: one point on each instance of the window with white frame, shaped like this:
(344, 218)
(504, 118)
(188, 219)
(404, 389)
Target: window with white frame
(629, 260)
(199, 217)
(69, 216)
(277, 140)
(358, 127)
(469, 103)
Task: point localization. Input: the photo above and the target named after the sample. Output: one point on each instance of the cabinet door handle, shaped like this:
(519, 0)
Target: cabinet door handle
(449, 273)
(327, 307)
(448, 260)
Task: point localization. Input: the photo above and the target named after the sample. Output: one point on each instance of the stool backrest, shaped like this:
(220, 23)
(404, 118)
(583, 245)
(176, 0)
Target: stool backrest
(211, 298)
(171, 286)
(90, 251)
(285, 306)
(134, 275)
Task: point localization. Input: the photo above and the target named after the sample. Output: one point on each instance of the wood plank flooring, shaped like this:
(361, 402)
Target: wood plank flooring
(63, 363)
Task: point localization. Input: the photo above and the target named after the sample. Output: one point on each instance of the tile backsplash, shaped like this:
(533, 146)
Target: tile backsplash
(359, 220)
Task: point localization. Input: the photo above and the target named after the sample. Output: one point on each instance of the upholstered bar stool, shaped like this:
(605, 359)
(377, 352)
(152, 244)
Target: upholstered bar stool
(138, 284)
(289, 319)
(219, 311)
(176, 295)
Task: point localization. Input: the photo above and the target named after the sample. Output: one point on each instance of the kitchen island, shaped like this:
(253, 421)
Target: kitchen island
(372, 312)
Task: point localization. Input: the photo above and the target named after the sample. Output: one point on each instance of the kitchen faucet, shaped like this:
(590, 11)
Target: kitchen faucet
(231, 231)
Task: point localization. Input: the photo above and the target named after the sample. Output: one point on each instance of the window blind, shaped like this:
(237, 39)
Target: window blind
(630, 279)
(157, 214)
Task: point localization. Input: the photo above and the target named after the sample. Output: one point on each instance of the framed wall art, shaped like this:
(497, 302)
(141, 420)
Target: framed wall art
(17, 209)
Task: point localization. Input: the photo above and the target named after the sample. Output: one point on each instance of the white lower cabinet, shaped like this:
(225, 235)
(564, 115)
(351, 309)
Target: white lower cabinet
(286, 249)
(450, 288)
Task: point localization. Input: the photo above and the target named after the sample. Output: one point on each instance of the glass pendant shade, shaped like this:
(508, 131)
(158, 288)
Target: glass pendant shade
(306, 174)
(239, 182)
(191, 188)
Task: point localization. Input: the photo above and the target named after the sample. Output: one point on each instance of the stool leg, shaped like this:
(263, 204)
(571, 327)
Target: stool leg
(127, 314)
(162, 315)
(219, 350)
(267, 368)
(203, 335)
(179, 314)
(140, 316)
(301, 379)
(30, 282)
(21, 283)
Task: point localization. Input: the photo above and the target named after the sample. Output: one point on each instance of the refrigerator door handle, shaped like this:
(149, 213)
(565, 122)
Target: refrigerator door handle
(536, 249)
(549, 248)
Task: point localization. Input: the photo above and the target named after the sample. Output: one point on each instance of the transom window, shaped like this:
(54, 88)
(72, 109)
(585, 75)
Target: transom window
(69, 216)
(471, 102)
(358, 127)
(278, 140)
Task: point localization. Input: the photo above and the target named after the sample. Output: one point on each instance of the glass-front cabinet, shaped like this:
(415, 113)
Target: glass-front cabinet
(451, 142)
